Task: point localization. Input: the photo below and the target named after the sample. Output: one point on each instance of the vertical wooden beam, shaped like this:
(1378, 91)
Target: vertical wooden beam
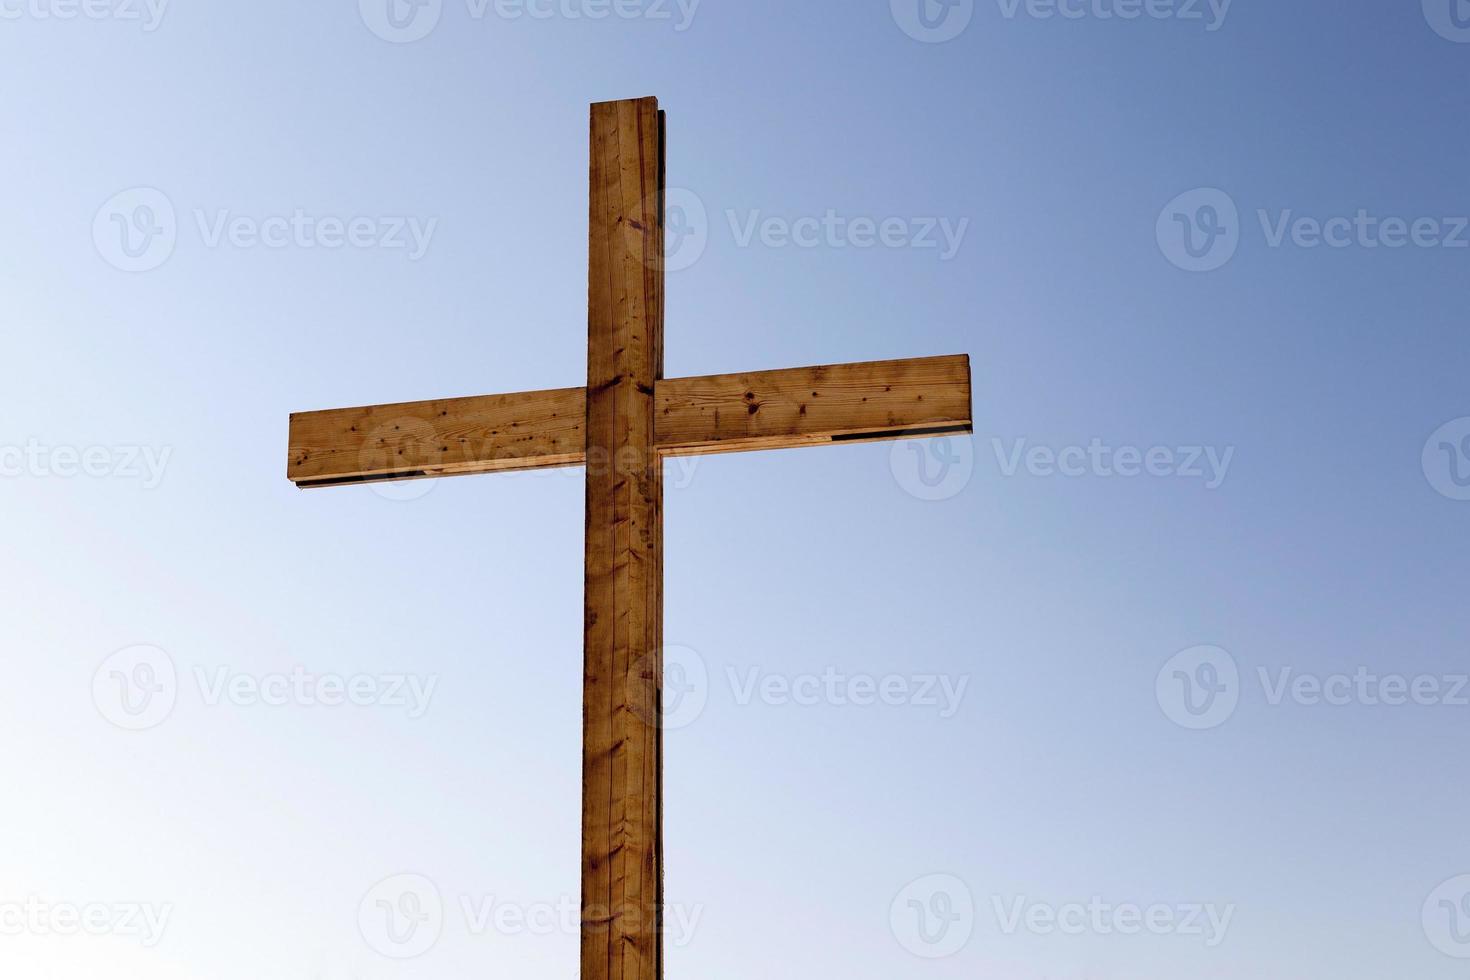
(622, 831)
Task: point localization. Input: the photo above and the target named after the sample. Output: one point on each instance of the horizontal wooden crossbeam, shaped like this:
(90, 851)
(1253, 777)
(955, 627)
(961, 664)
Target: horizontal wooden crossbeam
(713, 414)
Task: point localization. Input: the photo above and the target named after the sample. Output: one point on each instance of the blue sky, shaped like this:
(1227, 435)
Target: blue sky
(1158, 675)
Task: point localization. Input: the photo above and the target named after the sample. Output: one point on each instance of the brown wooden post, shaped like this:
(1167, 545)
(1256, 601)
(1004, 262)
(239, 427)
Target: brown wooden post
(622, 745)
(620, 425)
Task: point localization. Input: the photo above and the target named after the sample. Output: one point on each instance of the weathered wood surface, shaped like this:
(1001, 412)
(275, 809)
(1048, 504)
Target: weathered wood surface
(622, 839)
(620, 426)
(804, 406)
(716, 413)
(444, 437)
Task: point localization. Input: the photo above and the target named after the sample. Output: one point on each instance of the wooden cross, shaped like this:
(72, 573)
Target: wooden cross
(621, 426)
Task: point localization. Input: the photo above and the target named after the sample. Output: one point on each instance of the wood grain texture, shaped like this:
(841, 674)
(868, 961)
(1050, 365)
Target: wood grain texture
(803, 406)
(713, 414)
(621, 426)
(622, 859)
(445, 437)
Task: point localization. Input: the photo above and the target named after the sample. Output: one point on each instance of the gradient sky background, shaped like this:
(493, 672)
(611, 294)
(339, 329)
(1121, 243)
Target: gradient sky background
(792, 829)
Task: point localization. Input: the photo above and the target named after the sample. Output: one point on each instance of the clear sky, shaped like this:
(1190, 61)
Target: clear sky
(1160, 675)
